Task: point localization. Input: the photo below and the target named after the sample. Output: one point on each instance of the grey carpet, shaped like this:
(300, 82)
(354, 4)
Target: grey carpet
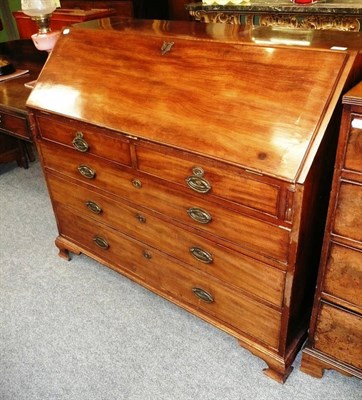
(77, 330)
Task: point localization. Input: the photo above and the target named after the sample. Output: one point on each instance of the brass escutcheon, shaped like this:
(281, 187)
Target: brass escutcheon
(147, 254)
(136, 183)
(141, 218)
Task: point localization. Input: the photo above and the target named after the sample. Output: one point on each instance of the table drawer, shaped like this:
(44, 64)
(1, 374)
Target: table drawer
(339, 334)
(207, 177)
(14, 124)
(353, 158)
(175, 280)
(86, 139)
(224, 223)
(348, 216)
(344, 271)
(234, 268)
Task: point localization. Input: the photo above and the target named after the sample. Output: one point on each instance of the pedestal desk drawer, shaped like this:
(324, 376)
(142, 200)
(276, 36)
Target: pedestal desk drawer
(85, 139)
(227, 225)
(174, 280)
(236, 269)
(348, 217)
(339, 334)
(213, 178)
(353, 159)
(14, 124)
(344, 270)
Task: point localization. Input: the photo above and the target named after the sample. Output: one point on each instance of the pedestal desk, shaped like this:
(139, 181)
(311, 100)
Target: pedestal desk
(197, 162)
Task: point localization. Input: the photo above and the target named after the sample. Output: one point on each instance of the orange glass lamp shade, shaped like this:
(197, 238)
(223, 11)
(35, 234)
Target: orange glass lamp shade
(40, 11)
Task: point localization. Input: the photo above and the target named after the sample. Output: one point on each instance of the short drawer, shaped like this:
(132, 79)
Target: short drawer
(343, 276)
(209, 177)
(86, 139)
(233, 268)
(14, 124)
(348, 217)
(339, 334)
(353, 158)
(174, 280)
(225, 224)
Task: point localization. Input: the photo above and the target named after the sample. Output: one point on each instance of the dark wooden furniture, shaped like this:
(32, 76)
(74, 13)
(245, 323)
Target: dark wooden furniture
(14, 119)
(208, 183)
(123, 8)
(335, 338)
(344, 15)
(60, 18)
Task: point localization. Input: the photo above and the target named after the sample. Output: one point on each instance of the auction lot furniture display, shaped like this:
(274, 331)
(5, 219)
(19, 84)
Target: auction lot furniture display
(335, 338)
(198, 163)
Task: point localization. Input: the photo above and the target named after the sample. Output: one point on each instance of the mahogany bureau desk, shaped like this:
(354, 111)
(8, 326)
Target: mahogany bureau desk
(197, 161)
(335, 338)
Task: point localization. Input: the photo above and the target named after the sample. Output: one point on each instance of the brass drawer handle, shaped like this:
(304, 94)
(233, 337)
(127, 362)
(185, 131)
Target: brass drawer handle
(136, 183)
(199, 215)
(93, 206)
(201, 255)
(86, 171)
(79, 143)
(101, 242)
(198, 184)
(203, 295)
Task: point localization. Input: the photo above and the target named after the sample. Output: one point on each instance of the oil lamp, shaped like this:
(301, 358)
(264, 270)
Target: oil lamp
(40, 11)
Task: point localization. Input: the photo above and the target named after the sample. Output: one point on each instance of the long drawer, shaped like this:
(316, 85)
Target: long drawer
(236, 269)
(339, 334)
(176, 281)
(250, 233)
(209, 178)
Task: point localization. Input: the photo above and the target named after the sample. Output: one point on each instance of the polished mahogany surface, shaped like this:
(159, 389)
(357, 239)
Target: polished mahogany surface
(280, 81)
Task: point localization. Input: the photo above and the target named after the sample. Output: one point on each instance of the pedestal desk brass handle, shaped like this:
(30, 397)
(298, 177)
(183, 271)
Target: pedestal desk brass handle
(203, 295)
(147, 254)
(199, 215)
(93, 206)
(201, 255)
(79, 143)
(141, 218)
(198, 184)
(86, 171)
(100, 242)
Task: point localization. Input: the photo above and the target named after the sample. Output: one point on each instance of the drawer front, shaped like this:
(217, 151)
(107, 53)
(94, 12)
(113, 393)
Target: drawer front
(86, 139)
(353, 159)
(14, 124)
(235, 269)
(225, 224)
(208, 178)
(348, 217)
(343, 276)
(174, 280)
(339, 335)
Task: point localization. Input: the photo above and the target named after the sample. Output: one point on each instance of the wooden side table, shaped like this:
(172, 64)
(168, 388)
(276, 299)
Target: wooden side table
(16, 140)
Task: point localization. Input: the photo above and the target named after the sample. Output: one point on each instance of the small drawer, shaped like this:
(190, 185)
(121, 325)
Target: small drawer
(227, 225)
(236, 269)
(339, 334)
(353, 158)
(344, 271)
(207, 177)
(14, 124)
(86, 139)
(348, 217)
(174, 280)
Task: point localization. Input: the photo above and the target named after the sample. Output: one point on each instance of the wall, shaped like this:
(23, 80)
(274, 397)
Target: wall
(9, 31)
